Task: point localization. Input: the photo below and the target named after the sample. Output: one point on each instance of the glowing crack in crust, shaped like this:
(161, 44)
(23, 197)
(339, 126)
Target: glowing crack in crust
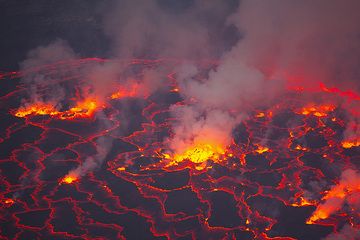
(147, 168)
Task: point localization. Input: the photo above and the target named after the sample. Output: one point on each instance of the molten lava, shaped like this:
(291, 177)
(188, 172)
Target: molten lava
(336, 196)
(351, 144)
(318, 111)
(82, 109)
(261, 149)
(37, 109)
(280, 160)
(199, 154)
(68, 179)
(8, 202)
(303, 202)
(260, 115)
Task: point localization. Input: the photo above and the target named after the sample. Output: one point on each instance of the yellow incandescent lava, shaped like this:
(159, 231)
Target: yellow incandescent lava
(68, 179)
(261, 149)
(83, 108)
(37, 109)
(318, 111)
(200, 153)
(350, 144)
(303, 202)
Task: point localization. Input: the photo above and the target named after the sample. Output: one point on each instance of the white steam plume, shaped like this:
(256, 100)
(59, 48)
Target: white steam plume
(280, 43)
(103, 147)
(296, 43)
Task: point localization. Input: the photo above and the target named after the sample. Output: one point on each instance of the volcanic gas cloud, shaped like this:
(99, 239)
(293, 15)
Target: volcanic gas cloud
(210, 120)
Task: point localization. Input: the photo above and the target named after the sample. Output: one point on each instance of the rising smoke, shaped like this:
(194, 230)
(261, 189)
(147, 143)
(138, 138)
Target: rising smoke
(273, 45)
(138, 29)
(103, 147)
(347, 191)
(284, 43)
(59, 50)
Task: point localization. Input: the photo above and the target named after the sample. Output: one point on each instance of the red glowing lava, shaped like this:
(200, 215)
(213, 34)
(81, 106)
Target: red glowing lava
(83, 109)
(285, 162)
(350, 144)
(318, 111)
(69, 179)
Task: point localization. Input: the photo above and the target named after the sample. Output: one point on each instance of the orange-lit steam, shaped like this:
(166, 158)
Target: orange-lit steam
(339, 194)
(201, 133)
(131, 91)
